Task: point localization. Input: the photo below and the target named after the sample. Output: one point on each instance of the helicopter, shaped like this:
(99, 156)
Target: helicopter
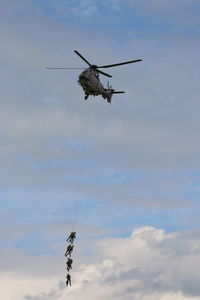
(90, 82)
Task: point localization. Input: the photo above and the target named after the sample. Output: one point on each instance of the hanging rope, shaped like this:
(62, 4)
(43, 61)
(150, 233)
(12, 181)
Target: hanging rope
(82, 167)
(72, 236)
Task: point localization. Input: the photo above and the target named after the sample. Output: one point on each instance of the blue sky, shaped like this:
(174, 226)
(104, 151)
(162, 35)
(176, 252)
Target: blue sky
(112, 168)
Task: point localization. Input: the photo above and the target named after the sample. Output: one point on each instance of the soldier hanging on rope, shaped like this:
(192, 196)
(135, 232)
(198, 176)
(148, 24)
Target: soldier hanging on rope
(68, 282)
(71, 237)
(69, 250)
(69, 264)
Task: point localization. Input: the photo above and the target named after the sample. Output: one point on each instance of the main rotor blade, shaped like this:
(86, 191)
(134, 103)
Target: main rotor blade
(83, 58)
(103, 73)
(52, 68)
(119, 64)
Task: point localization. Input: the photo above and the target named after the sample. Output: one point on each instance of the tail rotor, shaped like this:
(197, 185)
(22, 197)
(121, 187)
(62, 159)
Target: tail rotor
(109, 87)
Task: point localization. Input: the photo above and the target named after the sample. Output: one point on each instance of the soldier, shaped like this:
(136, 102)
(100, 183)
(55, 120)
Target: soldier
(69, 250)
(69, 264)
(71, 237)
(68, 282)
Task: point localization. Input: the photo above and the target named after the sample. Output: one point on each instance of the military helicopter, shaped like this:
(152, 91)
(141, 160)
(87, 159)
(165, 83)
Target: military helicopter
(90, 82)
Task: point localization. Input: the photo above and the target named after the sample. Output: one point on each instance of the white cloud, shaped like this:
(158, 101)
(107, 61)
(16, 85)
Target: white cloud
(13, 288)
(150, 264)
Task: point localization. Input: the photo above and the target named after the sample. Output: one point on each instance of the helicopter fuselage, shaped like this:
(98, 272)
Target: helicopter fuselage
(90, 82)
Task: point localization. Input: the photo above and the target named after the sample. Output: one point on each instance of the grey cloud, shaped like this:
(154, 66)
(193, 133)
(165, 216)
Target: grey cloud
(152, 12)
(154, 128)
(90, 7)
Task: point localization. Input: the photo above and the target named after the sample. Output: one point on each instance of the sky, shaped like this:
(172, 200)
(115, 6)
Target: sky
(126, 176)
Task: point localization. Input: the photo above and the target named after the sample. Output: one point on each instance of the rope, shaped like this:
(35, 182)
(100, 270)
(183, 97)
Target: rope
(81, 169)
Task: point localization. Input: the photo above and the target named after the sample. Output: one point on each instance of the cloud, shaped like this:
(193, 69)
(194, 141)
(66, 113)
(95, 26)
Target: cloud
(54, 294)
(149, 264)
(150, 15)
(128, 149)
(161, 6)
